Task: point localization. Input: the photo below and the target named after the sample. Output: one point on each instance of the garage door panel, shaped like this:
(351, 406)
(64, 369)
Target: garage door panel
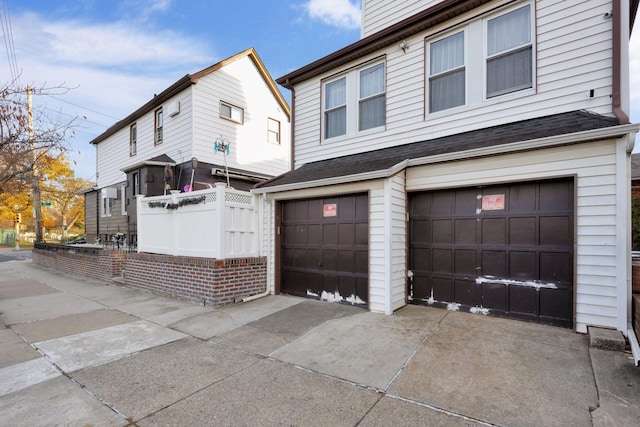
(523, 265)
(313, 258)
(442, 203)
(495, 296)
(361, 262)
(314, 209)
(421, 231)
(523, 299)
(442, 261)
(466, 201)
(494, 263)
(555, 303)
(443, 289)
(556, 196)
(330, 260)
(465, 292)
(494, 231)
(346, 234)
(522, 198)
(423, 257)
(314, 234)
(465, 231)
(422, 286)
(465, 262)
(522, 231)
(362, 234)
(330, 234)
(441, 231)
(346, 261)
(512, 254)
(555, 230)
(556, 267)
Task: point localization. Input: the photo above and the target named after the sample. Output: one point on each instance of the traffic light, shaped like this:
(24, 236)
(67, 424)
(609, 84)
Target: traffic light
(17, 218)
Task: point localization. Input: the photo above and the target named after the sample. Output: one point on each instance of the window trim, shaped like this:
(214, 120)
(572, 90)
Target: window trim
(464, 66)
(232, 109)
(352, 102)
(487, 57)
(158, 126)
(123, 199)
(270, 132)
(133, 139)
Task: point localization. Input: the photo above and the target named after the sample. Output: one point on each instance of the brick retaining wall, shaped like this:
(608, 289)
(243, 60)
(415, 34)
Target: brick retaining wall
(209, 281)
(202, 280)
(94, 264)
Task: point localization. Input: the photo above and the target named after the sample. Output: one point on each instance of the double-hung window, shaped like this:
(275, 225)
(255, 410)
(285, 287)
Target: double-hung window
(509, 52)
(335, 108)
(447, 72)
(159, 124)
(372, 98)
(355, 101)
(133, 139)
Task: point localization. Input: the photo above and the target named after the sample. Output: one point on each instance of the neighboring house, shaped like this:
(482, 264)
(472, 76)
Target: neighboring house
(466, 154)
(231, 117)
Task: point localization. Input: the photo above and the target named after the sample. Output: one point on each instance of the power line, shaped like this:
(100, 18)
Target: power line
(7, 31)
(83, 107)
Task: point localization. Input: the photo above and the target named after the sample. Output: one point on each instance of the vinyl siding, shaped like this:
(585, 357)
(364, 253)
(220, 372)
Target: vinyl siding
(573, 53)
(113, 153)
(597, 226)
(379, 14)
(240, 84)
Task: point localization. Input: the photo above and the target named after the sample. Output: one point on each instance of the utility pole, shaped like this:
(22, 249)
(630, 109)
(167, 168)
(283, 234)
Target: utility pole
(35, 177)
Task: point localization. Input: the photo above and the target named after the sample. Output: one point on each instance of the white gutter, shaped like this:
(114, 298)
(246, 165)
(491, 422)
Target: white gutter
(533, 144)
(633, 343)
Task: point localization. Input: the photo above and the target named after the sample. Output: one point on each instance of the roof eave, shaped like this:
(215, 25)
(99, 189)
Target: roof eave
(533, 144)
(434, 15)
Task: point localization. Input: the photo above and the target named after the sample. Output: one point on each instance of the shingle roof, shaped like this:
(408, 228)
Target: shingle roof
(541, 127)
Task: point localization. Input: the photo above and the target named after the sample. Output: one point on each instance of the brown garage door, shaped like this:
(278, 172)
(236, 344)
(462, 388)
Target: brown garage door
(325, 248)
(503, 250)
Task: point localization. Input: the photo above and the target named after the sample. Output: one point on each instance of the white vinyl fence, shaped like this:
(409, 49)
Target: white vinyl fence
(217, 223)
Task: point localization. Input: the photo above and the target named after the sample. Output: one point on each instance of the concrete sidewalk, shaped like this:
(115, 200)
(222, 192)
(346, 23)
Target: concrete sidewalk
(82, 352)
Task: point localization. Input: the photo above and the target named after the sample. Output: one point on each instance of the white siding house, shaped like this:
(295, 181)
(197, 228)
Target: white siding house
(491, 143)
(234, 104)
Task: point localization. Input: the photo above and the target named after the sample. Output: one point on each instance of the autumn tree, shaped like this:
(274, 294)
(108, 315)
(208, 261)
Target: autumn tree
(63, 190)
(28, 136)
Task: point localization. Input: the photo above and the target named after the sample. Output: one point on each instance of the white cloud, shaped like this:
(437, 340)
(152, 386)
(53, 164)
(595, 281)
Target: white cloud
(339, 13)
(114, 68)
(115, 44)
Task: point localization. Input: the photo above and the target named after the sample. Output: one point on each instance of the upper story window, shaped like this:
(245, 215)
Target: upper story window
(159, 123)
(133, 139)
(509, 52)
(482, 59)
(447, 72)
(355, 101)
(335, 108)
(372, 98)
(231, 112)
(273, 131)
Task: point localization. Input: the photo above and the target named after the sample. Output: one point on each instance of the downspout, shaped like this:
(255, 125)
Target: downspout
(292, 123)
(616, 101)
(616, 96)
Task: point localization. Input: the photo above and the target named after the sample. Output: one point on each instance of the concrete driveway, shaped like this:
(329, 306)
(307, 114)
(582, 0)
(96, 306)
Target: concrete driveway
(82, 352)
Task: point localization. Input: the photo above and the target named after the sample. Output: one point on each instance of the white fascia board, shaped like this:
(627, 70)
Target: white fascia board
(532, 144)
(366, 176)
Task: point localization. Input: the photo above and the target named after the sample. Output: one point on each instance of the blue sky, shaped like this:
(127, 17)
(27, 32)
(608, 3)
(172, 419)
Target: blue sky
(117, 54)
